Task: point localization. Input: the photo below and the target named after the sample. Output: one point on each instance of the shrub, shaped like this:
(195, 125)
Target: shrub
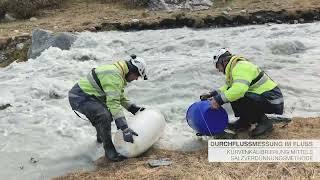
(23, 8)
(28, 8)
(49, 3)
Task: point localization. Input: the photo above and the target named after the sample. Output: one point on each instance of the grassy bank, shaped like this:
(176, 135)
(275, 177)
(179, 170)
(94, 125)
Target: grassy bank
(194, 165)
(80, 15)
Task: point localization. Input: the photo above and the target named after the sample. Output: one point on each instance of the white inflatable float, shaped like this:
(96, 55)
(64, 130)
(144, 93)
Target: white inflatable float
(149, 124)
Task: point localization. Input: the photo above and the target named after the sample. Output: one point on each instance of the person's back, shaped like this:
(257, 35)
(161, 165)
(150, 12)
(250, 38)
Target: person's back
(87, 87)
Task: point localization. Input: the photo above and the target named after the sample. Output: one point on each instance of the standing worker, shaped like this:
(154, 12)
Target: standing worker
(100, 97)
(251, 92)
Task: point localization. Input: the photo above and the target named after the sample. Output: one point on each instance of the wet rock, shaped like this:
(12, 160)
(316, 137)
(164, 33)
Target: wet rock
(43, 39)
(33, 160)
(85, 58)
(4, 106)
(287, 48)
(239, 20)
(54, 95)
(309, 16)
(198, 23)
(223, 21)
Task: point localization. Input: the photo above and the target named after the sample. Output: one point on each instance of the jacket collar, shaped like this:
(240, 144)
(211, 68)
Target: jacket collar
(122, 67)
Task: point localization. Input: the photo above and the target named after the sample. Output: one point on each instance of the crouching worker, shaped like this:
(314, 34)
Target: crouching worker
(250, 91)
(100, 97)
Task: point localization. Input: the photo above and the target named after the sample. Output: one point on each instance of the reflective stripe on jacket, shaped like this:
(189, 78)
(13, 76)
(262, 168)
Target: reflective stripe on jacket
(239, 75)
(113, 82)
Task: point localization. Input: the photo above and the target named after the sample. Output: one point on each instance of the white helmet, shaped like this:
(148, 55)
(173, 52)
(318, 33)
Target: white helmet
(141, 65)
(219, 53)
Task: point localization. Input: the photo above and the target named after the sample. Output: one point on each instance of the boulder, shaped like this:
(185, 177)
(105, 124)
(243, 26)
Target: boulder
(43, 39)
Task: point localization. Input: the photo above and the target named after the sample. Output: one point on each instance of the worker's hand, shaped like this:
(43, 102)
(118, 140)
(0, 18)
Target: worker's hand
(204, 97)
(128, 135)
(214, 104)
(208, 95)
(134, 109)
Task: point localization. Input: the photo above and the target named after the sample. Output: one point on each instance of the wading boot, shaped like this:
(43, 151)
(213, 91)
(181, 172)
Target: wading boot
(110, 151)
(264, 125)
(239, 126)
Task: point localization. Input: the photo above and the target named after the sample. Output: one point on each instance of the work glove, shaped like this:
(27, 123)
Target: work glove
(128, 135)
(121, 123)
(134, 109)
(206, 96)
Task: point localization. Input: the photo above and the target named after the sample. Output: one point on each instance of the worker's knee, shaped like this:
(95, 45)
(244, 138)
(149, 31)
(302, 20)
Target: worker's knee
(102, 117)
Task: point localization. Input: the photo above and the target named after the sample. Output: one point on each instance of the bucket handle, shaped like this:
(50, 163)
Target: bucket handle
(205, 121)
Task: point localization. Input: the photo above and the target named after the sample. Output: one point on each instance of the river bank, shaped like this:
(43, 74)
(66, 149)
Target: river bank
(195, 165)
(95, 17)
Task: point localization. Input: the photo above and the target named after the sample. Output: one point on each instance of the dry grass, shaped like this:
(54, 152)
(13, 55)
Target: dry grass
(194, 165)
(79, 15)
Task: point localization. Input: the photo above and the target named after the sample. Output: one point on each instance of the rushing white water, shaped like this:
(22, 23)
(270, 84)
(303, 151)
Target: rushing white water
(41, 125)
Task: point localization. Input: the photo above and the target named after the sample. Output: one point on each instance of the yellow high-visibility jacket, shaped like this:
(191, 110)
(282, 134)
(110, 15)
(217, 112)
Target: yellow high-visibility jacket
(240, 74)
(113, 82)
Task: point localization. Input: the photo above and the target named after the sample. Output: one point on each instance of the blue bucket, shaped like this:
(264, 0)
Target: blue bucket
(205, 120)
